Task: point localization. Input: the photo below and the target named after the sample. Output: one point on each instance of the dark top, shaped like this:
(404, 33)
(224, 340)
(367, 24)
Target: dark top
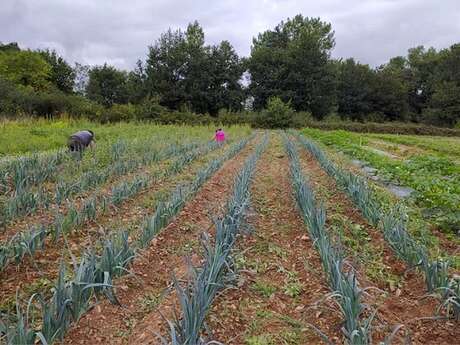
(83, 137)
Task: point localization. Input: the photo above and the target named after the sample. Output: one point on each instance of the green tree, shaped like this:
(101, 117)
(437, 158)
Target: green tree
(185, 72)
(107, 85)
(293, 62)
(444, 104)
(25, 68)
(277, 114)
(62, 74)
(8, 47)
(165, 69)
(355, 88)
(136, 84)
(225, 71)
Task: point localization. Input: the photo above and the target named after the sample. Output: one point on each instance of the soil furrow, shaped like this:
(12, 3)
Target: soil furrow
(280, 285)
(38, 273)
(143, 296)
(378, 266)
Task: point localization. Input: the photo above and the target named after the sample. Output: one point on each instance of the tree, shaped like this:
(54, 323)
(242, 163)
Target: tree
(165, 69)
(62, 74)
(444, 104)
(107, 85)
(81, 78)
(136, 84)
(355, 84)
(293, 62)
(277, 114)
(185, 72)
(25, 68)
(225, 71)
(8, 47)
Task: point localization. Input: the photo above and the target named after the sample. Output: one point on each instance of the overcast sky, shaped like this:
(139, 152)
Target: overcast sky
(119, 31)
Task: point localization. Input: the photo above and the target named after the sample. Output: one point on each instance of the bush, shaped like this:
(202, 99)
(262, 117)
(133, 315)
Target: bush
(277, 115)
(118, 112)
(150, 109)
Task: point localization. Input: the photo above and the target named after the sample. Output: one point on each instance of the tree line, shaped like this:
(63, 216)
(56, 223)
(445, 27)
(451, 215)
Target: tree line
(291, 62)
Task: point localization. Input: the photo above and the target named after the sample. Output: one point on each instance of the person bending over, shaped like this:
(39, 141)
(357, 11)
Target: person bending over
(79, 141)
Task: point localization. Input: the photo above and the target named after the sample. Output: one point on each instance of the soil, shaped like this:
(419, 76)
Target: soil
(401, 304)
(281, 286)
(146, 296)
(37, 274)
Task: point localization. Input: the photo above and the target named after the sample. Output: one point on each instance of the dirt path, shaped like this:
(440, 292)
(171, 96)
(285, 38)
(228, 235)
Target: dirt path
(280, 272)
(142, 298)
(38, 274)
(378, 266)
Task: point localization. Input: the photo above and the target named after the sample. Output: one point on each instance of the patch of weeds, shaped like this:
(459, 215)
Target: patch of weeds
(293, 288)
(290, 337)
(278, 251)
(149, 302)
(188, 247)
(264, 289)
(264, 339)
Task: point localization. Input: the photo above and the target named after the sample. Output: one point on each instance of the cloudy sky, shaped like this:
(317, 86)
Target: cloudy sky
(119, 31)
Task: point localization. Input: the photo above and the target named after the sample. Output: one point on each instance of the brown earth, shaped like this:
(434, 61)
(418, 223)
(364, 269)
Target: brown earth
(281, 286)
(405, 301)
(147, 293)
(39, 273)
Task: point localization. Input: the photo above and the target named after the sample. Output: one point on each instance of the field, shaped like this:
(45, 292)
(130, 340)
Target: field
(160, 235)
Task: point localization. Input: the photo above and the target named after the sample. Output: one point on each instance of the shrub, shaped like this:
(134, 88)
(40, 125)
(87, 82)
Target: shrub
(277, 115)
(118, 112)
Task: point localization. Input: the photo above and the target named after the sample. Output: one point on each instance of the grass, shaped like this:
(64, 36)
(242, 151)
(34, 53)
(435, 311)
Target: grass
(434, 177)
(33, 135)
(263, 288)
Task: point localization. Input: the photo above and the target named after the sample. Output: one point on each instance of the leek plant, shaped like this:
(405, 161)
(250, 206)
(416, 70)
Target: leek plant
(343, 282)
(197, 297)
(392, 224)
(94, 275)
(88, 211)
(166, 210)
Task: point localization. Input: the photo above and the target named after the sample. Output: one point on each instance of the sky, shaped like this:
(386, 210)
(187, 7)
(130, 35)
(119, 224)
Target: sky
(119, 31)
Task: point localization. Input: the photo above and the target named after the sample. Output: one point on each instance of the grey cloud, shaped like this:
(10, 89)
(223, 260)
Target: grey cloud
(119, 31)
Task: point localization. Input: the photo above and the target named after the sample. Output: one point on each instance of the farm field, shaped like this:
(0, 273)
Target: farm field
(161, 235)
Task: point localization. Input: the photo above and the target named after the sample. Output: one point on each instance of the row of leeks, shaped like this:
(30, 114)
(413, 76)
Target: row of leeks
(25, 200)
(341, 279)
(91, 278)
(28, 242)
(197, 296)
(166, 210)
(393, 224)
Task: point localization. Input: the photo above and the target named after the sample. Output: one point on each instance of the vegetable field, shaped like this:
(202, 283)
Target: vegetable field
(162, 236)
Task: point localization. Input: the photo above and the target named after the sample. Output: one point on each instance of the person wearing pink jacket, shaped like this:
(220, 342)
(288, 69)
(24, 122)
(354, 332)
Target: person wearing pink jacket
(220, 136)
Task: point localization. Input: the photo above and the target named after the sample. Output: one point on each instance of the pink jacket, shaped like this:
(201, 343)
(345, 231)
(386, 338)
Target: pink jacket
(220, 136)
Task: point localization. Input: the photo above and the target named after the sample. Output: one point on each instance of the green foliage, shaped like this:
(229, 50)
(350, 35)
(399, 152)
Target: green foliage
(436, 179)
(61, 74)
(25, 68)
(185, 72)
(277, 115)
(292, 62)
(107, 85)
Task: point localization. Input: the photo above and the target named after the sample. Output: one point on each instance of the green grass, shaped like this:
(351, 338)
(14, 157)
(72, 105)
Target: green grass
(434, 177)
(34, 135)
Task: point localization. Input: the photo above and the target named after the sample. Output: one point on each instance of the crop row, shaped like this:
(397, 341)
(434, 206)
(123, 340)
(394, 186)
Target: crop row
(27, 201)
(217, 270)
(392, 223)
(28, 242)
(71, 298)
(435, 179)
(342, 279)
